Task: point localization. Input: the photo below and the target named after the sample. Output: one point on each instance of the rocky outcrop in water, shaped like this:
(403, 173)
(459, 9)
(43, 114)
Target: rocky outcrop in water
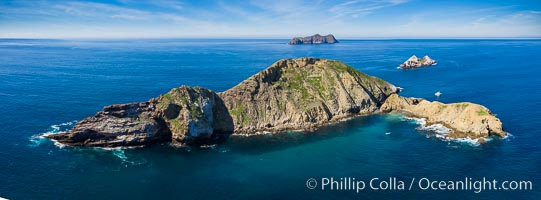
(314, 39)
(465, 119)
(291, 94)
(185, 115)
(302, 94)
(414, 62)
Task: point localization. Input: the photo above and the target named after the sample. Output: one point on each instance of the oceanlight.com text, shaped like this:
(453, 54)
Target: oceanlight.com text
(424, 184)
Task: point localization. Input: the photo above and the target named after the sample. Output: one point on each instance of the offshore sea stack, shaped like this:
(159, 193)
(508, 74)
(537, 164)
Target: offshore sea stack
(414, 62)
(291, 94)
(314, 39)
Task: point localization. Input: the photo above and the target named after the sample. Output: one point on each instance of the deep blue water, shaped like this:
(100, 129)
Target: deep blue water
(44, 83)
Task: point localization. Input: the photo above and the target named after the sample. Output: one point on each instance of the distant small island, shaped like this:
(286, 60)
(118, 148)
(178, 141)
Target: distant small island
(314, 39)
(414, 62)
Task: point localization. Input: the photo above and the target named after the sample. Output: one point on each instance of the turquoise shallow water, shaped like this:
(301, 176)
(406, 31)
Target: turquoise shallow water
(45, 84)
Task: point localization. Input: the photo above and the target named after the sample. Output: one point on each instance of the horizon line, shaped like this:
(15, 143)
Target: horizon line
(272, 38)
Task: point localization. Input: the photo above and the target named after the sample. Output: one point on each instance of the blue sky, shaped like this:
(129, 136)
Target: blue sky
(268, 18)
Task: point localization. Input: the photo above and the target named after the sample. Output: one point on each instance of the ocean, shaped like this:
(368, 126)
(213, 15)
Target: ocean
(47, 85)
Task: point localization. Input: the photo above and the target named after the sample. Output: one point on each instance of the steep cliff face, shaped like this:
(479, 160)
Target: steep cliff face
(465, 119)
(193, 115)
(185, 115)
(303, 94)
(314, 39)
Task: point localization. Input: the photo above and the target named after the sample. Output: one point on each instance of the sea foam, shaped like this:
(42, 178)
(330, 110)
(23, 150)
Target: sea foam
(441, 132)
(39, 139)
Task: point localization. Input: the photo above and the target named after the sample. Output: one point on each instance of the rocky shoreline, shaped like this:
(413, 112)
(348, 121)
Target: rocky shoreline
(291, 94)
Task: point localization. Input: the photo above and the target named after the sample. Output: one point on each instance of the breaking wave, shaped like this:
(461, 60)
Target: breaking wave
(119, 152)
(39, 139)
(441, 132)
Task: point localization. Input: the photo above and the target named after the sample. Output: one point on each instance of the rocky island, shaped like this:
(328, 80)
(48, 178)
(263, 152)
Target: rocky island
(314, 39)
(414, 62)
(291, 94)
